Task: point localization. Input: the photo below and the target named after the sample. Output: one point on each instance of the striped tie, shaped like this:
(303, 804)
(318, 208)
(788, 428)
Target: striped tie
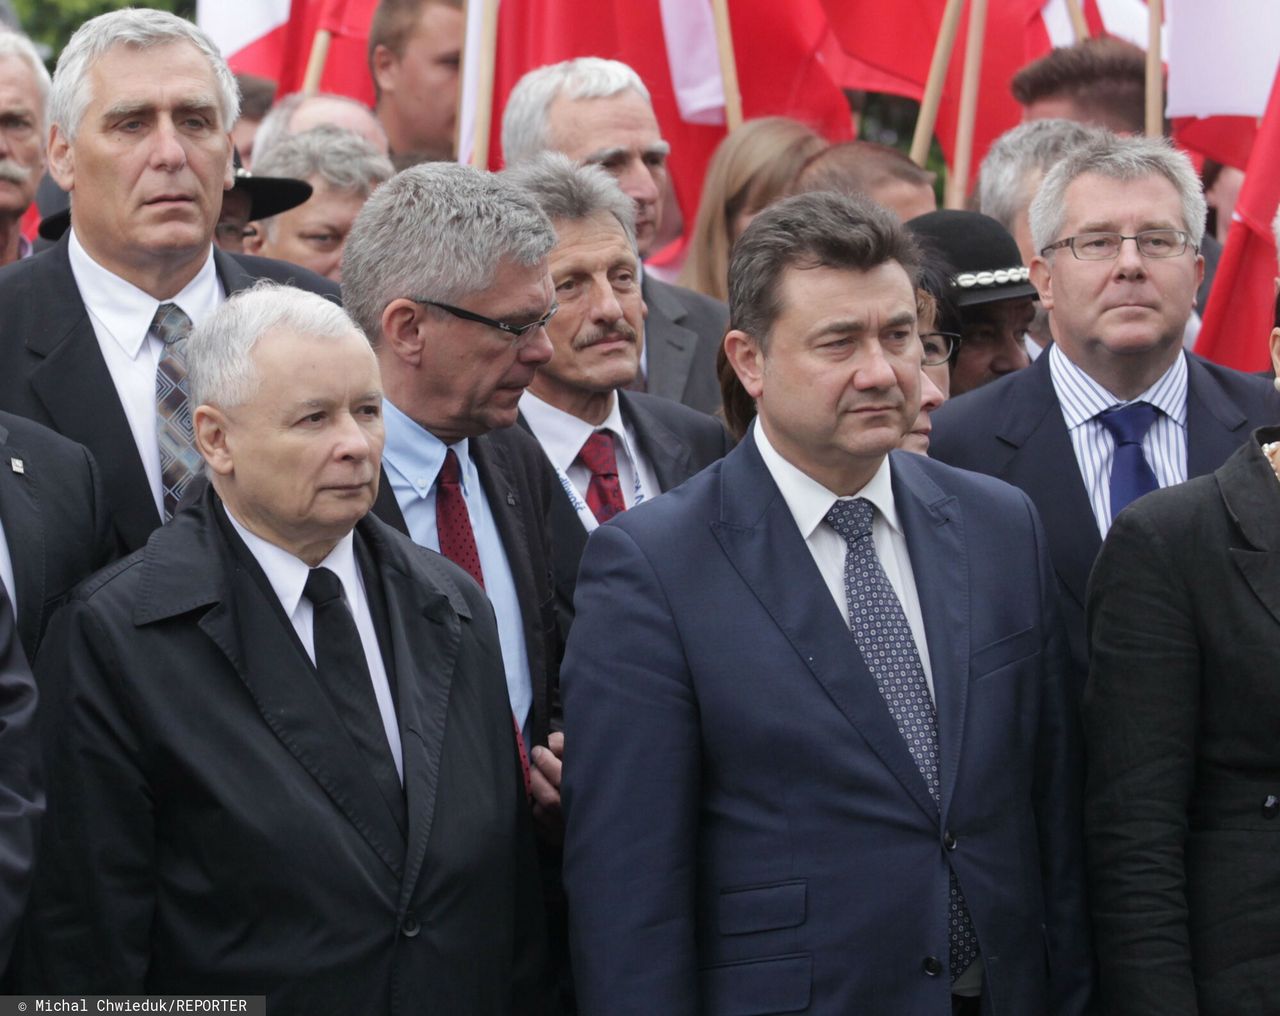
(179, 460)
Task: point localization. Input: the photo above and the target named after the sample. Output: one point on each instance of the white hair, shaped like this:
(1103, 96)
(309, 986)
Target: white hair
(1017, 161)
(525, 120)
(275, 125)
(437, 231)
(16, 45)
(1117, 158)
(138, 28)
(219, 352)
(567, 192)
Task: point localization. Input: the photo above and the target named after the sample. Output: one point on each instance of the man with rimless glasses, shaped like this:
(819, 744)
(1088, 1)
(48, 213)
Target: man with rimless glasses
(1115, 409)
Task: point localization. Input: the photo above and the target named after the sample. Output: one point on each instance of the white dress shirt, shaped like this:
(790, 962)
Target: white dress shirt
(121, 315)
(1165, 444)
(563, 435)
(809, 502)
(288, 575)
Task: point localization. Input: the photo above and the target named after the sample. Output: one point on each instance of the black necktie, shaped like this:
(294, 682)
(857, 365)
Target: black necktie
(344, 675)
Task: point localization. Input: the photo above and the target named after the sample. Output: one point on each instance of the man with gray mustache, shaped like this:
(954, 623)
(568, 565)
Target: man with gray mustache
(24, 99)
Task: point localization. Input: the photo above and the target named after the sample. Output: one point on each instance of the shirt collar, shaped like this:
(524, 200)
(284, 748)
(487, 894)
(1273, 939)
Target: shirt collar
(125, 310)
(561, 434)
(288, 574)
(1082, 398)
(809, 501)
(417, 455)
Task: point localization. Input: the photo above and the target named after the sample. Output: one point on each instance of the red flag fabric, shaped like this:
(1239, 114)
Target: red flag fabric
(346, 70)
(1238, 320)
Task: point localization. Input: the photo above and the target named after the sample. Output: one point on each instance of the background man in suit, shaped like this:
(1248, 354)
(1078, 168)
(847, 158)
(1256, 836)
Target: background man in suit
(140, 111)
(278, 739)
(598, 112)
(446, 272)
(821, 737)
(1118, 223)
(639, 445)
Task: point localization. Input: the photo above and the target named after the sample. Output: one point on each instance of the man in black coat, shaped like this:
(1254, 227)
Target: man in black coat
(146, 161)
(279, 749)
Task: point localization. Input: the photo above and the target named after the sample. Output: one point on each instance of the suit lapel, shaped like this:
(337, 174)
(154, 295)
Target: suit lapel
(1216, 426)
(759, 536)
(232, 275)
(934, 531)
(667, 454)
(669, 346)
(386, 507)
(1248, 488)
(1042, 462)
(24, 533)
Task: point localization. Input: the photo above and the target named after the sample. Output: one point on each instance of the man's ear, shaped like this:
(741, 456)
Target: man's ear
(1042, 279)
(404, 330)
(61, 159)
(747, 360)
(384, 64)
(210, 426)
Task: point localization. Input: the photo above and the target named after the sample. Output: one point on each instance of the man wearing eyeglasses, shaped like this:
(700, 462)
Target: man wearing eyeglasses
(1118, 224)
(445, 269)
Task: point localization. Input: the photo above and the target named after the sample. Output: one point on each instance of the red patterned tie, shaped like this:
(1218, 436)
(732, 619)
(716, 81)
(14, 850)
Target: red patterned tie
(458, 544)
(604, 493)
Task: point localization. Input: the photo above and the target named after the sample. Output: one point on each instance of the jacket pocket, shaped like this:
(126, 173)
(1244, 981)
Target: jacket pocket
(778, 984)
(1005, 651)
(762, 907)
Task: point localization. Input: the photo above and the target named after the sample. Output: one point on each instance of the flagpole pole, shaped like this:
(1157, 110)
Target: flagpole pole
(958, 178)
(1155, 66)
(728, 65)
(484, 83)
(316, 61)
(937, 78)
(1079, 26)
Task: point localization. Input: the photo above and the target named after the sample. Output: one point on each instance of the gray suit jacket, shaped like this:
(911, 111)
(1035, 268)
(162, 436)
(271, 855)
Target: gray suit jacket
(682, 333)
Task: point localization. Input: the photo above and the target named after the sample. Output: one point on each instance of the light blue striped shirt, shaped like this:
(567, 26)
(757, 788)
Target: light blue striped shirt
(1082, 399)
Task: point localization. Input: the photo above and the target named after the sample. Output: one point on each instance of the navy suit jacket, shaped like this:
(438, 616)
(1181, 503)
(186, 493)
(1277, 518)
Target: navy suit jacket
(746, 830)
(682, 332)
(1013, 429)
(55, 374)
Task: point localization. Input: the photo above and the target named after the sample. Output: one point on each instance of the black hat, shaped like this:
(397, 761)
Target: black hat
(982, 253)
(268, 196)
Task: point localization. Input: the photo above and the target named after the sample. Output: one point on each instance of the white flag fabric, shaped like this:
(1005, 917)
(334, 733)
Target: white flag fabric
(1222, 57)
(235, 24)
(1125, 19)
(470, 85)
(689, 28)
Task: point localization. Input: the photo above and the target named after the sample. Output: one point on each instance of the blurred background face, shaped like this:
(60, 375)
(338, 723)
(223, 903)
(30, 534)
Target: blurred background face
(313, 234)
(992, 342)
(21, 135)
(419, 88)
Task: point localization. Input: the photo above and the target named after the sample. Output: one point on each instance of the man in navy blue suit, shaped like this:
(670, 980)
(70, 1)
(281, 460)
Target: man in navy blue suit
(823, 758)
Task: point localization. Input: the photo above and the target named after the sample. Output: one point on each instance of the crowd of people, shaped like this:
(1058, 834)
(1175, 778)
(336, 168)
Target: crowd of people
(409, 601)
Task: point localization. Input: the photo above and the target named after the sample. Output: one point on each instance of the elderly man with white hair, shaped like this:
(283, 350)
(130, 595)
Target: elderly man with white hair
(24, 107)
(140, 112)
(279, 752)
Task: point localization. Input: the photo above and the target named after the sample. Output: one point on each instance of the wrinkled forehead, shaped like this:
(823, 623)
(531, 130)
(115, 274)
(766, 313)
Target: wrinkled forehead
(1094, 201)
(130, 76)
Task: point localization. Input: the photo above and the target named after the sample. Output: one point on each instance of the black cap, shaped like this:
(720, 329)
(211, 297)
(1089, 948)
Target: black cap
(982, 253)
(268, 196)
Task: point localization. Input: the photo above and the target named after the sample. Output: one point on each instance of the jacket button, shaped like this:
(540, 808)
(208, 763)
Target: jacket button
(410, 927)
(949, 841)
(932, 966)
(1271, 806)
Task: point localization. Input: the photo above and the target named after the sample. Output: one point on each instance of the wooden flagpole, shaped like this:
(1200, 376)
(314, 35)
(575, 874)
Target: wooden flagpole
(484, 83)
(958, 178)
(937, 78)
(1155, 70)
(316, 61)
(1078, 24)
(728, 65)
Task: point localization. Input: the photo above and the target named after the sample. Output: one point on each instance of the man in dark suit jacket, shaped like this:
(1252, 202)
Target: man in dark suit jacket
(22, 798)
(53, 519)
(597, 112)
(791, 763)
(78, 340)
(1117, 312)
(278, 739)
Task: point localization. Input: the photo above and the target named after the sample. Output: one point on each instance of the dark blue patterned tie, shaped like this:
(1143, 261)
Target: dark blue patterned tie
(179, 459)
(1131, 473)
(884, 639)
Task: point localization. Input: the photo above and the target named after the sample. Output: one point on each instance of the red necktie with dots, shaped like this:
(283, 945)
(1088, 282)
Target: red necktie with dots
(604, 493)
(458, 544)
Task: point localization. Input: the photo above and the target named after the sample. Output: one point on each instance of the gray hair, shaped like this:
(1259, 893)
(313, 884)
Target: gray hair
(821, 229)
(275, 125)
(525, 128)
(440, 231)
(1117, 158)
(139, 28)
(343, 161)
(1018, 160)
(219, 353)
(567, 192)
(18, 46)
